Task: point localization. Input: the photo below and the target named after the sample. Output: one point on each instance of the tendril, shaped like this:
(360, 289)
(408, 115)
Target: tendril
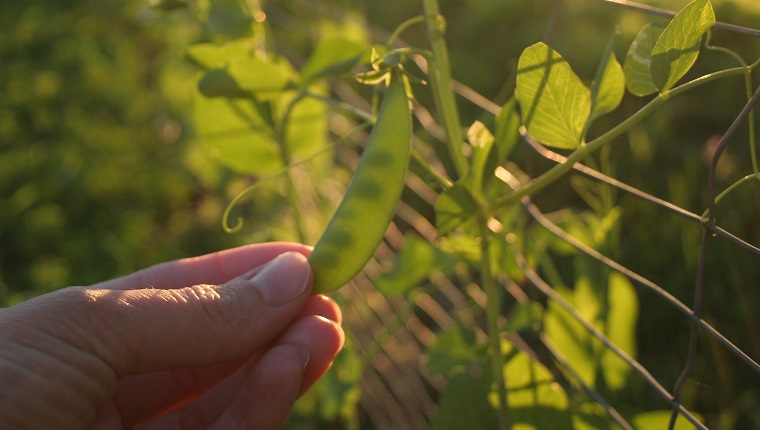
(240, 221)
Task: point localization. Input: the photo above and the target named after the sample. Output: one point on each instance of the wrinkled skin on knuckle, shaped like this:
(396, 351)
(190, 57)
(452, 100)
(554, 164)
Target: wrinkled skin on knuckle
(220, 305)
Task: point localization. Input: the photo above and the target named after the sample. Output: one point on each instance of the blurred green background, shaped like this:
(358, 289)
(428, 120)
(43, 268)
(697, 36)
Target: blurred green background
(100, 171)
(93, 138)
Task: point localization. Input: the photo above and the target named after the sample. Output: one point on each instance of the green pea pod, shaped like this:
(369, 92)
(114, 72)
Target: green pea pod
(363, 216)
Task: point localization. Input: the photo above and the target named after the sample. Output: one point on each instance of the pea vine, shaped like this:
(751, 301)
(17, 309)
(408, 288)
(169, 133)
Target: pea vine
(263, 116)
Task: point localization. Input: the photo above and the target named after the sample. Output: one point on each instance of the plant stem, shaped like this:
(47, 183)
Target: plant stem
(728, 190)
(440, 79)
(345, 108)
(749, 91)
(751, 123)
(492, 314)
(560, 169)
(401, 28)
(292, 192)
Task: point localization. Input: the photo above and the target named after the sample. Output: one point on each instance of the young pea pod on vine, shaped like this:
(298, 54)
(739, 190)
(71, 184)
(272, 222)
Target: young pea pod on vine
(360, 222)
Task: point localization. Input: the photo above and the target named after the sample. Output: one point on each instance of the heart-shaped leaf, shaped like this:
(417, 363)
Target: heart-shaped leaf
(554, 102)
(331, 57)
(243, 77)
(608, 87)
(638, 61)
(678, 46)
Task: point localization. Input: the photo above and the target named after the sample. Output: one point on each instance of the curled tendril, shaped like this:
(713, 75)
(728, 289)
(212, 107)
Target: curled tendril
(228, 210)
(232, 204)
(240, 221)
(706, 218)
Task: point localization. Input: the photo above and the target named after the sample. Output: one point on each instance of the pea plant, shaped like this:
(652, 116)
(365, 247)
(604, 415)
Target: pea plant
(524, 348)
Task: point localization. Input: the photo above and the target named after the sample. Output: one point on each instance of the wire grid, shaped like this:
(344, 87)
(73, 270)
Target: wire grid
(392, 335)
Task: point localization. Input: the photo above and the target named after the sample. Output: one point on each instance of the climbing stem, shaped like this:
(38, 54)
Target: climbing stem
(439, 71)
(493, 314)
(292, 191)
(576, 156)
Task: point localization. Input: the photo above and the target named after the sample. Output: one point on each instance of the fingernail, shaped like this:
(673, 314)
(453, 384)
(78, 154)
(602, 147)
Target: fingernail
(301, 352)
(283, 279)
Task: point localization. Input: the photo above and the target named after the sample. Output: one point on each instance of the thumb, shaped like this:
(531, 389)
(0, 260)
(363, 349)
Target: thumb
(137, 331)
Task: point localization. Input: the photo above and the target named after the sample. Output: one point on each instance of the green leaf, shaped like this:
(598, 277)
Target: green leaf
(554, 102)
(612, 306)
(481, 141)
(622, 316)
(212, 56)
(608, 87)
(219, 83)
(455, 208)
(660, 420)
(464, 246)
(678, 46)
(246, 76)
(237, 135)
(570, 337)
(169, 5)
(638, 60)
(412, 265)
(464, 404)
(536, 401)
(507, 133)
(592, 416)
(455, 349)
(524, 316)
(331, 57)
(228, 18)
(337, 393)
(306, 130)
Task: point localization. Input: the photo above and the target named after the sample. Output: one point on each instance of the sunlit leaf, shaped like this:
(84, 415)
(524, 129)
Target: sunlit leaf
(219, 83)
(678, 46)
(235, 134)
(591, 416)
(612, 306)
(608, 87)
(638, 60)
(212, 55)
(622, 316)
(535, 400)
(571, 339)
(524, 316)
(554, 102)
(661, 420)
(334, 56)
(243, 77)
(464, 246)
(481, 141)
(306, 132)
(412, 265)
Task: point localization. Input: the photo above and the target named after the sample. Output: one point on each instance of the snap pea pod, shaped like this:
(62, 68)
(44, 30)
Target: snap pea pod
(363, 216)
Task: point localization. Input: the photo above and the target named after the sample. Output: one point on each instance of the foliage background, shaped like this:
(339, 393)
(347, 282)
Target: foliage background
(101, 172)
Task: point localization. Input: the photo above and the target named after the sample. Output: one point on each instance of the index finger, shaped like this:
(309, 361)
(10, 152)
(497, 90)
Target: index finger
(215, 268)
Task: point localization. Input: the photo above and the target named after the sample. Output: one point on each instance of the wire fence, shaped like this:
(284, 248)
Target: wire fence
(392, 335)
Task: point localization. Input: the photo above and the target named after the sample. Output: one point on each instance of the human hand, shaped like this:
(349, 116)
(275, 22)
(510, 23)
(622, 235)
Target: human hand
(226, 341)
